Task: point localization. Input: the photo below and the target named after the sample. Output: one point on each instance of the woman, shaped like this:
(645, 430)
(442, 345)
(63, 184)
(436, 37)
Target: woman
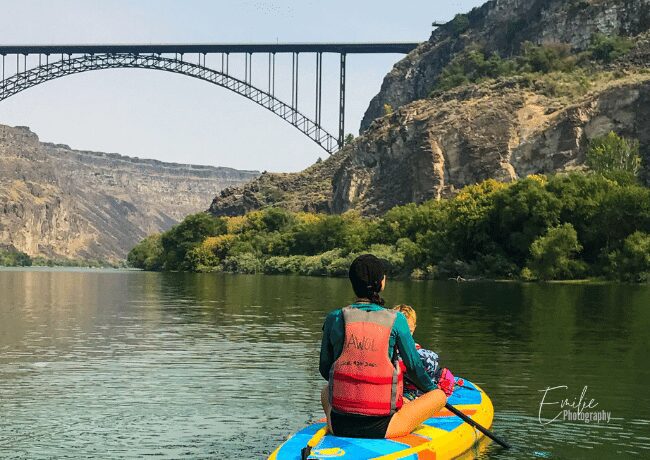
(363, 397)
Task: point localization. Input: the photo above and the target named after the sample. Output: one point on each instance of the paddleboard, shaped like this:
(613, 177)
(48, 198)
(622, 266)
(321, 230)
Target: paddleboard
(443, 436)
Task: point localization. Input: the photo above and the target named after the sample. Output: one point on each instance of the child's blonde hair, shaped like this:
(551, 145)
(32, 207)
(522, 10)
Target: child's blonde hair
(407, 311)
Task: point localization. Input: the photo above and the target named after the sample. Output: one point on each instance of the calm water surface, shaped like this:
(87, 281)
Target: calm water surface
(130, 364)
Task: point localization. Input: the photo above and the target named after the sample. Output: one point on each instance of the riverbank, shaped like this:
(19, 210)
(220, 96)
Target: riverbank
(14, 258)
(576, 226)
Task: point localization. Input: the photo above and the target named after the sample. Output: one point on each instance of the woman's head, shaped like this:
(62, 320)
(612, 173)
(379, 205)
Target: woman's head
(368, 277)
(411, 317)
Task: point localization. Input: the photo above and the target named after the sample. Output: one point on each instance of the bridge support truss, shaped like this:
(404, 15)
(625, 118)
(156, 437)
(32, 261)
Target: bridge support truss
(37, 64)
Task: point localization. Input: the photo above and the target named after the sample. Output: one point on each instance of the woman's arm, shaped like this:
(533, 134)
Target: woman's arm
(326, 348)
(410, 356)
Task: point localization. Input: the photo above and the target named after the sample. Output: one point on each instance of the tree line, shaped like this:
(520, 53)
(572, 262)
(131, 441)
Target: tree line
(589, 224)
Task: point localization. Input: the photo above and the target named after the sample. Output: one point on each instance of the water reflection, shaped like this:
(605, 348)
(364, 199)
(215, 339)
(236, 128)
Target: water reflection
(116, 364)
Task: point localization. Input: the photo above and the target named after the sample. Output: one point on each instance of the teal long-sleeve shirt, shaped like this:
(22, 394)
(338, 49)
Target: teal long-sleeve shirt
(400, 336)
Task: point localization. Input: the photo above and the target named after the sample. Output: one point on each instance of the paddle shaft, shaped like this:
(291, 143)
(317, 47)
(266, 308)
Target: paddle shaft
(471, 422)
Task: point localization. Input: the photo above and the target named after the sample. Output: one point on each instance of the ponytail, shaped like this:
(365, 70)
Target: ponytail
(377, 299)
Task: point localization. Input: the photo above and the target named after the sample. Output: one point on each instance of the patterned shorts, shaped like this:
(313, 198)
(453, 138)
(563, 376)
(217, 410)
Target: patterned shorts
(430, 362)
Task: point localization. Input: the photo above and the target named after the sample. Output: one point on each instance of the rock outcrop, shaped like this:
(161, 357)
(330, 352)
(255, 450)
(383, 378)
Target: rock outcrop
(430, 146)
(502, 26)
(56, 202)
(309, 190)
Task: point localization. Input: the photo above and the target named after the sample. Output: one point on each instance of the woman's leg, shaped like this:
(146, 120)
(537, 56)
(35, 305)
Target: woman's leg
(325, 401)
(414, 413)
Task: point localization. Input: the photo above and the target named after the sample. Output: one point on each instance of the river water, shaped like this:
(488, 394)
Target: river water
(117, 364)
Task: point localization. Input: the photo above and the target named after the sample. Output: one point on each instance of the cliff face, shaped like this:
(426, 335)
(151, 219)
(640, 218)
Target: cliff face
(431, 148)
(309, 190)
(58, 202)
(504, 128)
(502, 26)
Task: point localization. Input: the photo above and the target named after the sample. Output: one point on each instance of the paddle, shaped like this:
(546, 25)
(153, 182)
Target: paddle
(471, 422)
(315, 439)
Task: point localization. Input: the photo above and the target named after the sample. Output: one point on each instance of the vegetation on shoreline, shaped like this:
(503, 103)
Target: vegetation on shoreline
(552, 69)
(565, 226)
(15, 258)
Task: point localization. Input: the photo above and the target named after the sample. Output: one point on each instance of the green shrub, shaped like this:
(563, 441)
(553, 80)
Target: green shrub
(519, 214)
(201, 259)
(607, 48)
(12, 258)
(243, 263)
(552, 255)
(620, 213)
(494, 265)
(546, 58)
(392, 258)
(569, 73)
(632, 261)
(532, 229)
(473, 66)
(340, 266)
(276, 219)
(148, 254)
(181, 238)
(562, 84)
(459, 25)
(613, 154)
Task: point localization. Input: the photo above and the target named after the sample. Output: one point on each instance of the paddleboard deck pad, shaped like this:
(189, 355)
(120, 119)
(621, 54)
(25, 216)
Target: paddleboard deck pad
(443, 436)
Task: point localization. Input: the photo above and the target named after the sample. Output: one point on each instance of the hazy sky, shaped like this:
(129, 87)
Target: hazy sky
(153, 114)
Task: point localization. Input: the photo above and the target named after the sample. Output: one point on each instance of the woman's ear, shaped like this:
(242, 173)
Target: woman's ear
(383, 283)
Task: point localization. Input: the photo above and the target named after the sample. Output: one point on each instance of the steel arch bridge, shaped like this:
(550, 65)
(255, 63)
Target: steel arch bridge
(38, 64)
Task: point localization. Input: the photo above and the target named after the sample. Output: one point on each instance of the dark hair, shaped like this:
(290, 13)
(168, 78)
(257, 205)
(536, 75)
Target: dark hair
(366, 274)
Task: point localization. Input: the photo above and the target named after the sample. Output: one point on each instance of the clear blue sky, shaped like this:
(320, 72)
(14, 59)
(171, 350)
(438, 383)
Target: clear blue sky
(169, 117)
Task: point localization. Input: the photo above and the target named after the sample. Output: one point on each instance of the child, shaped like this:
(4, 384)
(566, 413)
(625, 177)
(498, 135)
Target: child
(428, 357)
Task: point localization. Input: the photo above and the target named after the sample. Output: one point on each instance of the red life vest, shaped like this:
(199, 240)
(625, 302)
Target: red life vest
(363, 380)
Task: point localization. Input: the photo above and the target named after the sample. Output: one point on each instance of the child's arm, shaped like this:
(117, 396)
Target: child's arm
(406, 347)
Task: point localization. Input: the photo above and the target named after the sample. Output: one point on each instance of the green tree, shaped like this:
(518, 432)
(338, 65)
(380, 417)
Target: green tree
(612, 153)
(581, 197)
(311, 238)
(349, 138)
(553, 254)
(148, 254)
(14, 258)
(177, 241)
(201, 259)
(622, 211)
(520, 214)
(632, 261)
(277, 219)
(468, 225)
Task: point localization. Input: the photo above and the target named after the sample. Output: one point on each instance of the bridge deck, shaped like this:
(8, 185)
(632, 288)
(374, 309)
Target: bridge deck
(346, 48)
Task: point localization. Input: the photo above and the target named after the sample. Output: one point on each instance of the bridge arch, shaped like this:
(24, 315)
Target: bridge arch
(89, 62)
